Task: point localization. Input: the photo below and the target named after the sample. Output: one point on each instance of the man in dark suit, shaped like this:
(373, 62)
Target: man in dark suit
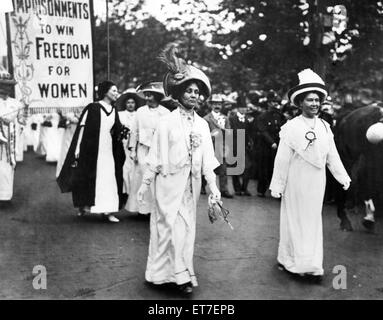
(269, 125)
(218, 122)
(239, 120)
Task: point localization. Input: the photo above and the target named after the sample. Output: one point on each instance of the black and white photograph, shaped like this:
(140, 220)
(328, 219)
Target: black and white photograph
(191, 154)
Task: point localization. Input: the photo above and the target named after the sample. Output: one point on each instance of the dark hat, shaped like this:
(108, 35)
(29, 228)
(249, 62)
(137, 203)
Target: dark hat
(180, 72)
(272, 96)
(6, 78)
(103, 88)
(308, 81)
(129, 94)
(151, 86)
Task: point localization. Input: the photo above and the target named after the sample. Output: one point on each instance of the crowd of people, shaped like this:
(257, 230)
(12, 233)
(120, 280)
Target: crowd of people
(154, 149)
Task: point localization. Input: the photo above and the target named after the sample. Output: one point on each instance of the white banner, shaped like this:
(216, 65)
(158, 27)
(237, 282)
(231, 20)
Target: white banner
(6, 6)
(52, 52)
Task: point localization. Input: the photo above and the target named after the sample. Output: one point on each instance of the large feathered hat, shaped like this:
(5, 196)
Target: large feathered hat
(179, 71)
(308, 81)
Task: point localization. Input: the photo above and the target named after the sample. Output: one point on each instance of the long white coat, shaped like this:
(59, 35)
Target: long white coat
(143, 127)
(172, 226)
(299, 174)
(9, 109)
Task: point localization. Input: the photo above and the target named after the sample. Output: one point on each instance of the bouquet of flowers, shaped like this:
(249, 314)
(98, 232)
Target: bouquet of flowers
(123, 134)
(195, 139)
(216, 210)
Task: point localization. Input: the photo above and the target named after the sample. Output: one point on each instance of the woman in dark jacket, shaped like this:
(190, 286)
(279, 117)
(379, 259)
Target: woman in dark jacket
(92, 170)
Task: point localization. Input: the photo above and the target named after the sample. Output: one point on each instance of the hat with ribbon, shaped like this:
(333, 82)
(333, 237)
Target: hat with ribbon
(216, 98)
(180, 72)
(308, 81)
(127, 94)
(151, 86)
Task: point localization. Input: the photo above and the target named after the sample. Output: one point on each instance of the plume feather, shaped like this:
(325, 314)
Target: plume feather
(169, 56)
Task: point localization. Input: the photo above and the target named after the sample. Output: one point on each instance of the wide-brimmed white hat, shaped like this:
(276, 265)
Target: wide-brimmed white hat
(156, 87)
(216, 97)
(129, 93)
(308, 81)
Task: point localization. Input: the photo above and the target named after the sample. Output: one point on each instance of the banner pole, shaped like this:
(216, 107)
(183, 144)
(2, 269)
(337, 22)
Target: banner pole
(92, 28)
(9, 50)
(107, 39)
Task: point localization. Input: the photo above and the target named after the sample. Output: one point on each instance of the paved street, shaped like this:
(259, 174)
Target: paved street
(92, 259)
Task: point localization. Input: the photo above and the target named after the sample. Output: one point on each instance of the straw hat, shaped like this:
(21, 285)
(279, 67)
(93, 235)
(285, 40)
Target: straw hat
(155, 87)
(127, 94)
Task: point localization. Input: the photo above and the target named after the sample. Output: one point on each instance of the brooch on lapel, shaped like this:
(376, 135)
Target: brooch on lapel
(311, 137)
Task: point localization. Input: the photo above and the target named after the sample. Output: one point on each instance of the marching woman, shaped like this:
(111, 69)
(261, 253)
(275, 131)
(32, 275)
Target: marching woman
(306, 147)
(143, 128)
(45, 123)
(126, 105)
(53, 141)
(10, 109)
(180, 151)
(92, 170)
(69, 124)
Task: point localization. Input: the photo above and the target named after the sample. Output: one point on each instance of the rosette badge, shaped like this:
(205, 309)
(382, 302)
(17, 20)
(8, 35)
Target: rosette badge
(311, 137)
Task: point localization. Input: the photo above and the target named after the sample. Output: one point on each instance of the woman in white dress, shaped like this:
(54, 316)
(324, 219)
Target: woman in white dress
(71, 121)
(143, 128)
(9, 110)
(299, 177)
(127, 104)
(44, 124)
(181, 151)
(53, 141)
(96, 155)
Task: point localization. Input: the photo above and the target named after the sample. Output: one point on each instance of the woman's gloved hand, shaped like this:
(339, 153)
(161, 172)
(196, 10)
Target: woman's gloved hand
(276, 194)
(216, 194)
(141, 191)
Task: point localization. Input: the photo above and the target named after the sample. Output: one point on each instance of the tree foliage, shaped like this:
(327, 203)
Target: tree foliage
(271, 42)
(281, 37)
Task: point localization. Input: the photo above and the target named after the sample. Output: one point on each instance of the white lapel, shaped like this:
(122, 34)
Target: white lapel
(182, 129)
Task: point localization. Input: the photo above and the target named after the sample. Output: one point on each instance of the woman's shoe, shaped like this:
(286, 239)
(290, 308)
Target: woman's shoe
(80, 214)
(316, 279)
(186, 288)
(112, 218)
(82, 210)
(246, 193)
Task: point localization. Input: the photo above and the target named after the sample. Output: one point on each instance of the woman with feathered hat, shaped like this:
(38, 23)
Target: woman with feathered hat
(306, 147)
(143, 126)
(181, 150)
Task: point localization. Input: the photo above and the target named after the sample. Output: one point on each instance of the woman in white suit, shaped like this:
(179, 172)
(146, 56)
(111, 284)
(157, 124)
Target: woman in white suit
(181, 150)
